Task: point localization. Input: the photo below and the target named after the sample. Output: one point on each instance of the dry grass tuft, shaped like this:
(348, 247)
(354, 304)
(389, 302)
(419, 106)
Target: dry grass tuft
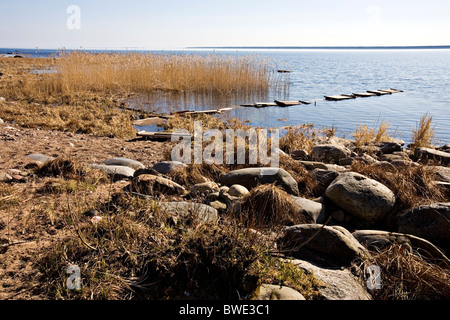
(407, 276)
(365, 135)
(268, 206)
(60, 167)
(412, 185)
(423, 135)
(197, 173)
(296, 138)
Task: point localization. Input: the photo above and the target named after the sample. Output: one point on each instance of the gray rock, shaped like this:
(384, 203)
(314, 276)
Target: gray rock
(329, 153)
(363, 198)
(396, 156)
(441, 173)
(237, 190)
(4, 177)
(136, 165)
(274, 292)
(39, 157)
(115, 172)
(218, 205)
(205, 187)
(314, 209)
(389, 147)
(379, 240)
(203, 212)
(311, 165)
(299, 155)
(328, 245)
(251, 177)
(431, 222)
(339, 284)
(426, 154)
(323, 178)
(153, 185)
(166, 167)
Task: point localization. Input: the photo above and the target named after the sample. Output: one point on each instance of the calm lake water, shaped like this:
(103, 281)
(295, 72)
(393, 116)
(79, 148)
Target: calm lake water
(423, 75)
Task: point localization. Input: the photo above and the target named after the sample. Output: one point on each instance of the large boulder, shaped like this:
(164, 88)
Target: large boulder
(362, 197)
(328, 153)
(115, 172)
(124, 162)
(252, 177)
(431, 222)
(426, 154)
(379, 240)
(275, 292)
(339, 284)
(153, 185)
(203, 212)
(314, 209)
(326, 245)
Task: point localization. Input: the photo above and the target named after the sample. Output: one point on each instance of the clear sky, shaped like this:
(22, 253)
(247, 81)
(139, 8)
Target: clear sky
(167, 24)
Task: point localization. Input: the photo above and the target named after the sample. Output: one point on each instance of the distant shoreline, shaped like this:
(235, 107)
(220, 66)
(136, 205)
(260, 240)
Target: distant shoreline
(332, 48)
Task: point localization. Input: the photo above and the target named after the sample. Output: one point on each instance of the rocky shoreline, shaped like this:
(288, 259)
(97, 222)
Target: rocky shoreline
(350, 217)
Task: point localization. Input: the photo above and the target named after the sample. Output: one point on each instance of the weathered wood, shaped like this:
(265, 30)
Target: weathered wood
(286, 103)
(264, 104)
(391, 90)
(162, 135)
(149, 121)
(378, 92)
(364, 94)
(304, 102)
(338, 98)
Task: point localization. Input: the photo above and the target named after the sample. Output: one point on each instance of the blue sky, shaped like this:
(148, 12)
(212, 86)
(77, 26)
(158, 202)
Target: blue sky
(171, 24)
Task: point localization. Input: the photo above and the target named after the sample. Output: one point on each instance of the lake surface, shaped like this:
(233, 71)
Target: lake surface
(423, 75)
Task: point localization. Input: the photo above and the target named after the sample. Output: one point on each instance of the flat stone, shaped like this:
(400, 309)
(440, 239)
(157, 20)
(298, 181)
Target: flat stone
(252, 177)
(166, 167)
(115, 172)
(275, 292)
(426, 154)
(218, 205)
(203, 212)
(40, 157)
(124, 162)
(379, 240)
(153, 185)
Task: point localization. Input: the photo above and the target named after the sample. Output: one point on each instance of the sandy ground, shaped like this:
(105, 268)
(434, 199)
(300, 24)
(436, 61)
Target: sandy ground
(18, 275)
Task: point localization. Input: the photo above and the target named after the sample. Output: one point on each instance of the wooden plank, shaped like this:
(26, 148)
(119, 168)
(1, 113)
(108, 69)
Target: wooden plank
(378, 93)
(338, 98)
(364, 94)
(304, 102)
(264, 104)
(149, 121)
(161, 135)
(391, 91)
(287, 103)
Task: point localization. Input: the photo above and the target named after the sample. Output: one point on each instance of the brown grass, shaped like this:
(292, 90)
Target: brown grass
(268, 206)
(423, 135)
(365, 135)
(299, 137)
(407, 276)
(412, 185)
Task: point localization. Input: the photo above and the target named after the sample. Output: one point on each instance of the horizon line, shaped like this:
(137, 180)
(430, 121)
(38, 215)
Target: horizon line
(326, 47)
